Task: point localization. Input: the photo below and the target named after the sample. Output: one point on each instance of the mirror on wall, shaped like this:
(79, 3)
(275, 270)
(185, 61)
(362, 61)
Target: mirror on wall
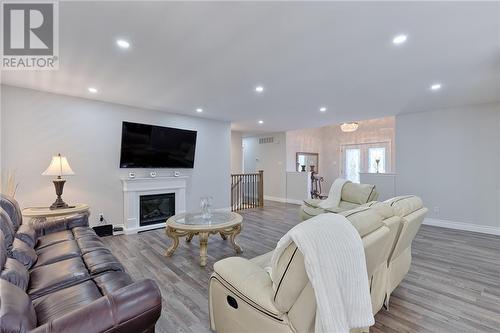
(304, 161)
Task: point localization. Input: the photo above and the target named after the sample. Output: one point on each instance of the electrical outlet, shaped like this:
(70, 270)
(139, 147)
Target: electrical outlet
(436, 210)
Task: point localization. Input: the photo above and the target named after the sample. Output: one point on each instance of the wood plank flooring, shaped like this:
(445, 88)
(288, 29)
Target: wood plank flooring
(453, 284)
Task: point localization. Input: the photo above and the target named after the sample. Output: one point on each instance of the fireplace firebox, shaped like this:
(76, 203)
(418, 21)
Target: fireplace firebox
(156, 208)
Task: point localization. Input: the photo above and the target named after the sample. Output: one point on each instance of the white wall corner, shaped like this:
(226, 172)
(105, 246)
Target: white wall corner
(462, 226)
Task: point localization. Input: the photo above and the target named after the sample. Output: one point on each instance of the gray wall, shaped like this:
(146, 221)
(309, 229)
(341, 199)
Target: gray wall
(451, 158)
(269, 157)
(37, 125)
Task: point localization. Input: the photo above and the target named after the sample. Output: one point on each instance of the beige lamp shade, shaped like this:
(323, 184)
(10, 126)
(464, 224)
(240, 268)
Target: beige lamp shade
(59, 166)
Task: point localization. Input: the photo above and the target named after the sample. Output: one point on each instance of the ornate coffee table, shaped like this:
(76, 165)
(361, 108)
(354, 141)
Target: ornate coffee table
(190, 224)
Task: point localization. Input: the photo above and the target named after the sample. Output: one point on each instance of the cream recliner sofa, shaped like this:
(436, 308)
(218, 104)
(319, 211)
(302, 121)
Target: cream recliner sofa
(353, 195)
(412, 212)
(244, 297)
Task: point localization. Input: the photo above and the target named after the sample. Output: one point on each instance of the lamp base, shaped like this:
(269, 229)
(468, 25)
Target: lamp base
(59, 203)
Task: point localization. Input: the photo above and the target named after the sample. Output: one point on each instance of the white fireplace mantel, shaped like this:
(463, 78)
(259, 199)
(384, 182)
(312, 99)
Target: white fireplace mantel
(133, 188)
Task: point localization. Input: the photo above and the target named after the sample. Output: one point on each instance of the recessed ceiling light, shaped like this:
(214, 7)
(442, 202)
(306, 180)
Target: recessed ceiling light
(261, 122)
(259, 89)
(92, 90)
(399, 39)
(199, 110)
(123, 43)
(436, 86)
(322, 109)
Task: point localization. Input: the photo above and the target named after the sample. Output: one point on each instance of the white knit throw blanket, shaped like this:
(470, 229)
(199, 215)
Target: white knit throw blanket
(335, 194)
(335, 264)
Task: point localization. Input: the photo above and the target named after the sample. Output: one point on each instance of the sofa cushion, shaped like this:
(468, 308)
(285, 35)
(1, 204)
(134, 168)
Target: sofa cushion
(311, 211)
(264, 260)
(312, 202)
(80, 232)
(15, 272)
(364, 219)
(90, 243)
(23, 253)
(405, 205)
(16, 313)
(7, 229)
(101, 261)
(112, 281)
(343, 206)
(289, 277)
(27, 234)
(57, 252)
(56, 237)
(56, 276)
(357, 193)
(63, 301)
(10, 205)
(384, 209)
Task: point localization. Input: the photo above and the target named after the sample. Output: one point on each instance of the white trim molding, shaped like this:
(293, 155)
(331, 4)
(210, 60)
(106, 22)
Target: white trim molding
(134, 188)
(462, 226)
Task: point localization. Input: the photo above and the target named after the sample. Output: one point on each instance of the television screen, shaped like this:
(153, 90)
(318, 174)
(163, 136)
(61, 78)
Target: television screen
(149, 146)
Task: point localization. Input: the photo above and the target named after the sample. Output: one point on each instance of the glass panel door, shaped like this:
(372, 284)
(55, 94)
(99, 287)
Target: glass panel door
(363, 157)
(352, 164)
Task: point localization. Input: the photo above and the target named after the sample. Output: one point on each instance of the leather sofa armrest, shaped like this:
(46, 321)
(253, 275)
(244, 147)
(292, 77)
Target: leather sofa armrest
(248, 280)
(59, 223)
(134, 308)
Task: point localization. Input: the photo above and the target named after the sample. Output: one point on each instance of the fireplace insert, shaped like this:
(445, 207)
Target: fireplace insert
(156, 208)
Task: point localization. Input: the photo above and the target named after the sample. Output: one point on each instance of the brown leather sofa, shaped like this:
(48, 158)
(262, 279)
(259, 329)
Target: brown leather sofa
(57, 276)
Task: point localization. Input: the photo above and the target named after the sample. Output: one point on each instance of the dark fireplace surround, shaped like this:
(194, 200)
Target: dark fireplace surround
(156, 208)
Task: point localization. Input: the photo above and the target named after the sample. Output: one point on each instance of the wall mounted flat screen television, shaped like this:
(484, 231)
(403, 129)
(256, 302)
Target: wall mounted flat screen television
(149, 146)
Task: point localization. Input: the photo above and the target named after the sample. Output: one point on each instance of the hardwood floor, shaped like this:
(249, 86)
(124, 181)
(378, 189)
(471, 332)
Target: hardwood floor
(453, 284)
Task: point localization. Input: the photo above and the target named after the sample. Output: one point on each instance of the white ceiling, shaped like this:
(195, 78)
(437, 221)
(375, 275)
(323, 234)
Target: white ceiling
(305, 54)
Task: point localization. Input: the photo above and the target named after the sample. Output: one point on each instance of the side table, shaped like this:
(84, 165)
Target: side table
(42, 213)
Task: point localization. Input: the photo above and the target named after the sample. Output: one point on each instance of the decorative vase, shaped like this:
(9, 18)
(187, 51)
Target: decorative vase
(206, 207)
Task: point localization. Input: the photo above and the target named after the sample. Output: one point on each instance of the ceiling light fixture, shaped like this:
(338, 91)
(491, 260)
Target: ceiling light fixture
(261, 122)
(399, 39)
(123, 43)
(259, 89)
(436, 86)
(199, 110)
(92, 90)
(322, 109)
(349, 127)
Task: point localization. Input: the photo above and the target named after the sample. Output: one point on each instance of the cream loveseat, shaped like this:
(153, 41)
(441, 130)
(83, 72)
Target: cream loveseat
(353, 196)
(244, 297)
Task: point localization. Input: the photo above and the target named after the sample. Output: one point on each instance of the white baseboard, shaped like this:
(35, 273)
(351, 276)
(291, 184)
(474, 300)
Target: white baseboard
(285, 200)
(462, 226)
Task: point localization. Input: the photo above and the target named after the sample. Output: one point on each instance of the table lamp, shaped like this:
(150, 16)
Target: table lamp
(58, 167)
